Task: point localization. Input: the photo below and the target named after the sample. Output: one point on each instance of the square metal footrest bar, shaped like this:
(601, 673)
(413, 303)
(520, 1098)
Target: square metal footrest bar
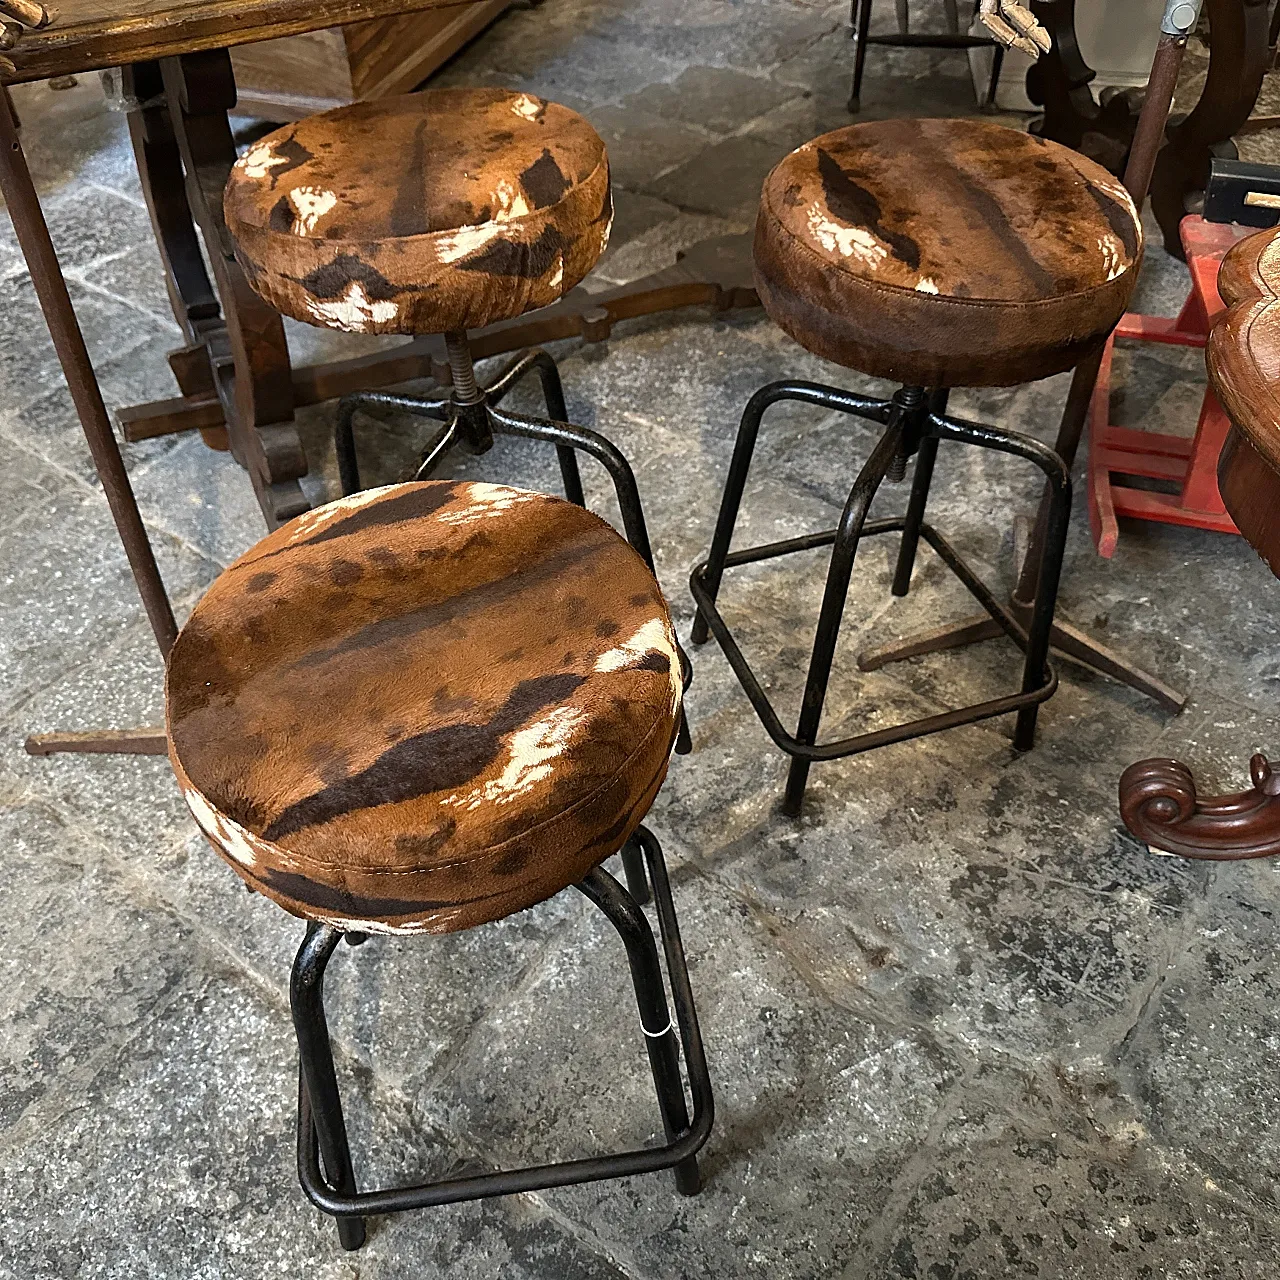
(685, 1135)
(880, 737)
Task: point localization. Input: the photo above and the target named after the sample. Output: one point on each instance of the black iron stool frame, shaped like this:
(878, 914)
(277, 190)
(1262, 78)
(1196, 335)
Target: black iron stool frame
(322, 1128)
(472, 418)
(915, 422)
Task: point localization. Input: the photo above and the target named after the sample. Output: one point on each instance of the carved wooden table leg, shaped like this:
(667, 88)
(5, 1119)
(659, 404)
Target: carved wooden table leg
(1059, 84)
(249, 358)
(1158, 803)
(195, 305)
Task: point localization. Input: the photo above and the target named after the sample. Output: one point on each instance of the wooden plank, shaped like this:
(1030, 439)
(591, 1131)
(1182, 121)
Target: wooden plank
(294, 76)
(90, 35)
(297, 76)
(395, 55)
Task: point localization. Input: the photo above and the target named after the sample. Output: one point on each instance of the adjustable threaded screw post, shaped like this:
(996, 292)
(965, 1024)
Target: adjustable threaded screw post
(463, 371)
(911, 403)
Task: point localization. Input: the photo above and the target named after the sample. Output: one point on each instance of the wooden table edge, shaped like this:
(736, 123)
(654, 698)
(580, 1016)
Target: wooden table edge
(78, 48)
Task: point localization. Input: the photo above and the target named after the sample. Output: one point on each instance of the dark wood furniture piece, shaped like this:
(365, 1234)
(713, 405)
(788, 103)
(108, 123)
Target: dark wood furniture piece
(1158, 798)
(1240, 54)
(904, 250)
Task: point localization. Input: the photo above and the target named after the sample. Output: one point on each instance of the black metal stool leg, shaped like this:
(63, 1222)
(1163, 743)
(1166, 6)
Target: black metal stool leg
(1059, 484)
(1039, 633)
(997, 66)
(711, 572)
(920, 483)
(553, 394)
(843, 551)
(318, 1082)
(863, 29)
(734, 486)
(633, 867)
(659, 1033)
(344, 432)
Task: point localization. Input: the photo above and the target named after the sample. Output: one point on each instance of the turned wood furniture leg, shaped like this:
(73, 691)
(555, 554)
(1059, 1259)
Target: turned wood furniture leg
(195, 305)
(251, 370)
(1059, 82)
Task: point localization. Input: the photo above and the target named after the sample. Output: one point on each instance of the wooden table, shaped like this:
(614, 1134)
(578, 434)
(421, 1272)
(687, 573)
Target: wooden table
(234, 374)
(236, 381)
(1158, 799)
(237, 384)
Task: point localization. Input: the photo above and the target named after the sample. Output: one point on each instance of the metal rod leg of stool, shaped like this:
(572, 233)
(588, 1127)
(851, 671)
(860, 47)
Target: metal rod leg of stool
(659, 1033)
(830, 398)
(920, 483)
(1038, 621)
(843, 551)
(318, 1084)
(1040, 630)
(633, 867)
(862, 29)
(344, 430)
(734, 486)
(557, 410)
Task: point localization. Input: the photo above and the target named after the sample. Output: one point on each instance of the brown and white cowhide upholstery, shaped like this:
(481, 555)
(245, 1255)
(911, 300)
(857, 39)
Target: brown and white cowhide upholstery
(449, 209)
(426, 706)
(945, 253)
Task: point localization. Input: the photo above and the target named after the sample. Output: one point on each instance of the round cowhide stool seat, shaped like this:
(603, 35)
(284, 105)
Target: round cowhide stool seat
(937, 254)
(945, 253)
(437, 211)
(425, 707)
(422, 709)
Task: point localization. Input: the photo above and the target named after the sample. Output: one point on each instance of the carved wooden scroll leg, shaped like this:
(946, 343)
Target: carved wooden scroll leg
(1158, 803)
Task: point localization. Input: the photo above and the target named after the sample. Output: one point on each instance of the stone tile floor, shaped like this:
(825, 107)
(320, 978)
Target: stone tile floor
(960, 1024)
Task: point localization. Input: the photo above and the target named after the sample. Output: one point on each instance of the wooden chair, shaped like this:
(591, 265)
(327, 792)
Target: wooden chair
(952, 38)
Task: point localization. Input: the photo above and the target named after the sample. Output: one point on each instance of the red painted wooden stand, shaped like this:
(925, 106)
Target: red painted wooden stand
(1191, 464)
